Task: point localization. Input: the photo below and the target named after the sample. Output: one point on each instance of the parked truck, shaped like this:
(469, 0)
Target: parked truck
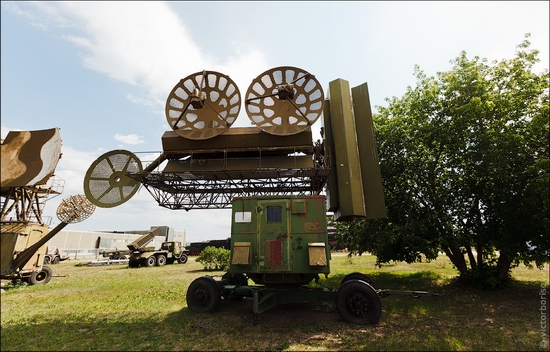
(54, 255)
(170, 252)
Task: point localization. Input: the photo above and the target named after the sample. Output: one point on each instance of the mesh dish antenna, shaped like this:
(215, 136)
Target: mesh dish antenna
(203, 105)
(75, 209)
(106, 183)
(284, 100)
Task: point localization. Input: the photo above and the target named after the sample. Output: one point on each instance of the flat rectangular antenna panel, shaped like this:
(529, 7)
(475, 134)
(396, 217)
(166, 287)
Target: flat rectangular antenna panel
(332, 182)
(375, 206)
(346, 163)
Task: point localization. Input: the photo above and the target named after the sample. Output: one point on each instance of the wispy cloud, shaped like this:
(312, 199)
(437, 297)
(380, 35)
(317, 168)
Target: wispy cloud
(131, 139)
(143, 44)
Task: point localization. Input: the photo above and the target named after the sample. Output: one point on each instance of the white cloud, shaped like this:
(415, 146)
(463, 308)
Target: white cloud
(143, 44)
(131, 139)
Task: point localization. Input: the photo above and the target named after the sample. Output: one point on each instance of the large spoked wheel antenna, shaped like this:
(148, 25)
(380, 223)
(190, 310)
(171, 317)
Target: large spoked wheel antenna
(203, 105)
(284, 100)
(107, 184)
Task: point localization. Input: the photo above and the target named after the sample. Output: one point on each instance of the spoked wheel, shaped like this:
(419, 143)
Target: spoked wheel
(357, 302)
(358, 276)
(203, 295)
(285, 100)
(40, 277)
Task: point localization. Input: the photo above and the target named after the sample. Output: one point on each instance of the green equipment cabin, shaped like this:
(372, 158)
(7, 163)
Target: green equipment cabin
(281, 244)
(279, 241)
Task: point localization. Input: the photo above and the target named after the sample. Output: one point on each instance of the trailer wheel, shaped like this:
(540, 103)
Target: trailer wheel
(150, 261)
(56, 260)
(358, 276)
(357, 302)
(161, 260)
(47, 259)
(203, 295)
(183, 258)
(40, 277)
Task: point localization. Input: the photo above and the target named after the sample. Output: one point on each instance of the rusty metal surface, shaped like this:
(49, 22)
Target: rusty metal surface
(29, 158)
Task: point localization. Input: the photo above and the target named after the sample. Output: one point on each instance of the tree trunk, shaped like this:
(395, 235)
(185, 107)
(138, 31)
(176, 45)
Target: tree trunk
(471, 257)
(503, 266)
(456, 256)
(479, 250)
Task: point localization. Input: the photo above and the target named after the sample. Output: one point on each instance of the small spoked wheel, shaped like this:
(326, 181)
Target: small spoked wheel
(357, 302)
(203, 295)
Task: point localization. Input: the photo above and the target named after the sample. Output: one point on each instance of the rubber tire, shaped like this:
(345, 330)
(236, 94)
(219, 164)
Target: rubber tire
(133, 263)
(161, 259)
(357, 302)
(358, 276)
(150, 261)
(56, 260)
(183, 258)
(47, 259)
(203, 295)
(41, 277)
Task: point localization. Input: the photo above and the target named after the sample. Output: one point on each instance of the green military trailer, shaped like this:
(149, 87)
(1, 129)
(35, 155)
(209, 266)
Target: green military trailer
(281, 244)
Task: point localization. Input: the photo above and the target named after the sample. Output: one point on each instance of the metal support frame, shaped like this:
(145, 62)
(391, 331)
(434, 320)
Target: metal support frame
(215, 189)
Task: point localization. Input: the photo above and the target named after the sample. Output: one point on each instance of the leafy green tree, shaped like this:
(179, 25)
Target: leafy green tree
(213, 258)
(464, 158)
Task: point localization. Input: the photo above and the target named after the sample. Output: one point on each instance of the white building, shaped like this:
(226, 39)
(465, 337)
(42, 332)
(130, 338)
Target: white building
(90, 244)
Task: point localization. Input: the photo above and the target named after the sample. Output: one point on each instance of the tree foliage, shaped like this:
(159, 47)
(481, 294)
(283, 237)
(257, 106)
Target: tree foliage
(214, 258)
(464, 158)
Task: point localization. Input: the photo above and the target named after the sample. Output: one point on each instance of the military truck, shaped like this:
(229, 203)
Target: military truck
(170, 252)
(54, 255)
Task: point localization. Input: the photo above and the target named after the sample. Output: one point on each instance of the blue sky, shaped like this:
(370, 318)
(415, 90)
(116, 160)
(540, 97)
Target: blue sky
(101, 71)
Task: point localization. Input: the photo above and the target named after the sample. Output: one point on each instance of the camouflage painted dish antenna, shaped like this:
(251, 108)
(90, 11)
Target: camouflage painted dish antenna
(284, 100)
(106, 183)
(203, 105)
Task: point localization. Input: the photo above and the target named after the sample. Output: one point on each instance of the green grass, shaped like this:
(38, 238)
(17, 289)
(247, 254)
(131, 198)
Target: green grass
(118, 308)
